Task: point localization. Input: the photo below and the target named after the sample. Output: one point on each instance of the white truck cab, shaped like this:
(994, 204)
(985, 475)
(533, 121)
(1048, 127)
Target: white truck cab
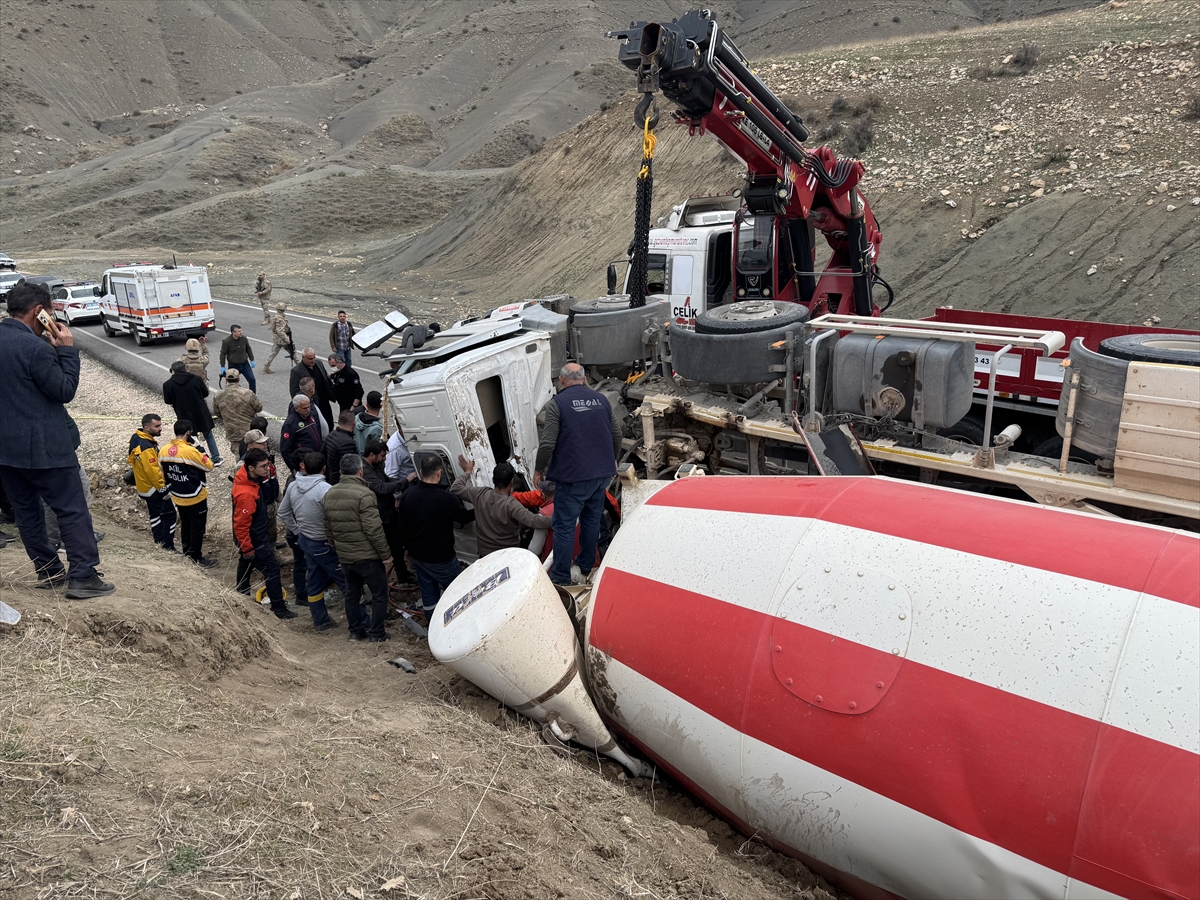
(154, 303)
(689, 260)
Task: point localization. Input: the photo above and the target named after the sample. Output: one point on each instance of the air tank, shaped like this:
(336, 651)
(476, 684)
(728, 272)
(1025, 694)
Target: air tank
(918, 692)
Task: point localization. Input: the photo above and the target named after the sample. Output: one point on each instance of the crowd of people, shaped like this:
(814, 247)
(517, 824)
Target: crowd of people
(354, 504)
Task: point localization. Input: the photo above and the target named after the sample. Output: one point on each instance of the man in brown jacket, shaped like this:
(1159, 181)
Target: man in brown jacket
(353, 525)
(236, 406)
(499, 517)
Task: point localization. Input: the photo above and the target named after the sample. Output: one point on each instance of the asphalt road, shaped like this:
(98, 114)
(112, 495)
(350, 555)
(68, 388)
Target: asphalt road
(150, 365)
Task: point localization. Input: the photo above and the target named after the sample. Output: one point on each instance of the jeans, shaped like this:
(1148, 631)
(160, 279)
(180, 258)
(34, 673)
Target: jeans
(193, 522)
(214, 449)
(247, 374)
(299, 569)
(265, 561)
(162, 519)
(433, 578)
(581, 501)
(60, 488)
(346, 356)
(323, 570)
(371, 574)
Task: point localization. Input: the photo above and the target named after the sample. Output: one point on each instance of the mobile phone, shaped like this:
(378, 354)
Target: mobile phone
(49, 323)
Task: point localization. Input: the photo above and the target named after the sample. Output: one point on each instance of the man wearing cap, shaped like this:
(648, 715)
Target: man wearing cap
(281, 332)
(236, 406)
(262, 290)
(185, 392)
(195, 357)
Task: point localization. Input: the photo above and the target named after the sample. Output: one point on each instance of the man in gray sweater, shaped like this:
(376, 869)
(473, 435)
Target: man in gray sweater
(303, 514)
(499, 517)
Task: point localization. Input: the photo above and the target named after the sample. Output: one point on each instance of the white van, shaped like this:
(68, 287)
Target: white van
(154, 303)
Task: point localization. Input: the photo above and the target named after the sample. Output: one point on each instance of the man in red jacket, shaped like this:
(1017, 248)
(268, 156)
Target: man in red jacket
(255, 487)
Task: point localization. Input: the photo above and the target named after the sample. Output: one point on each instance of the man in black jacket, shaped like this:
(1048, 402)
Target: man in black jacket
(388, 491)
(339, 443)
(185, 393)
(347, 386)
(37, 456)
(308, 367)
(300, 433)
(428, 513)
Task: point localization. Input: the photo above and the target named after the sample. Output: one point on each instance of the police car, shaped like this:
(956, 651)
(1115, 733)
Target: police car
(77, 301)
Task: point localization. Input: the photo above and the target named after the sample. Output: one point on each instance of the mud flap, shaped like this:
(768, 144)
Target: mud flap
(836, 451)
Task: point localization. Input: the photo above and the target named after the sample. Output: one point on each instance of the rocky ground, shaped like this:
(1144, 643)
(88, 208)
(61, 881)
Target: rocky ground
(176, 740)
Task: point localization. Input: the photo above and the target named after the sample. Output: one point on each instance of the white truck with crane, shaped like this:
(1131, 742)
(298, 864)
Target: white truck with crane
(915, 689)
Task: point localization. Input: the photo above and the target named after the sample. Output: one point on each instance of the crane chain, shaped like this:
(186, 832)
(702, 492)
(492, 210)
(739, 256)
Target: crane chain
(639, 260)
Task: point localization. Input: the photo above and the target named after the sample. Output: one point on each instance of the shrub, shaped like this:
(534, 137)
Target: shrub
(1026, 58)
(1191, 109)
(839, 106)
(858, 135)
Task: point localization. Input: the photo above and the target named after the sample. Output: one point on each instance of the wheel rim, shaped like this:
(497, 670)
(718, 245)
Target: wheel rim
(748, 310)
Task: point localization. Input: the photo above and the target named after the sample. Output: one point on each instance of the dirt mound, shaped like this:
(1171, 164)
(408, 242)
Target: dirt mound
(403, 140)
(512, 143)
(245, 154)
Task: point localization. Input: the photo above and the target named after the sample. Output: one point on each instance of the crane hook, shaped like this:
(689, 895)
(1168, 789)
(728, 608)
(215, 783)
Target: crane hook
(647, 108)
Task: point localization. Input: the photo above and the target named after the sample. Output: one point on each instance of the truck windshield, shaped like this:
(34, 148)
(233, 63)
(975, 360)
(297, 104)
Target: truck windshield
(754, 245)
(656, 274)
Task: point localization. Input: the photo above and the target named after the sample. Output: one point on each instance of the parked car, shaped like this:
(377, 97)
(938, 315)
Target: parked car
(7, 263)
(78, 301)
(8, 279)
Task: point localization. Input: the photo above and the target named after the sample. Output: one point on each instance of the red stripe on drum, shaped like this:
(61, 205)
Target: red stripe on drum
(1110, 551)
(1046, 784)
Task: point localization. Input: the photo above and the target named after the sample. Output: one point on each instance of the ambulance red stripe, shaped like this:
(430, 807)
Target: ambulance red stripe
(1114, 552)
(1109, 807)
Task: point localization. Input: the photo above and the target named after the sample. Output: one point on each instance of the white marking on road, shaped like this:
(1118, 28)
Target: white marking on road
(122, 349)
(291, 315)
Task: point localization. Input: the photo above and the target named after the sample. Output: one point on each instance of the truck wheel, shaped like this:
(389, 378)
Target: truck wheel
(107, 328)
(749, 316)
(139, 339)
(968, 430)
(732, 358)
(1176, 349)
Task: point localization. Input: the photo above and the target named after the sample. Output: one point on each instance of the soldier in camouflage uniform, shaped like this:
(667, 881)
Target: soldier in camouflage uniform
(262, 290)
(195, 358)
(282, 332)
(236, 407)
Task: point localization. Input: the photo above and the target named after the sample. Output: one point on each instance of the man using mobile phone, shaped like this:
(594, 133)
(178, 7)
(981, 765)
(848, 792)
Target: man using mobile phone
(39, 368)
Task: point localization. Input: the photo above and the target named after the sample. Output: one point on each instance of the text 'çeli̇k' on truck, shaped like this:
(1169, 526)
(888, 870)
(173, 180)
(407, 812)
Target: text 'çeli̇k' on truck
(918, 689)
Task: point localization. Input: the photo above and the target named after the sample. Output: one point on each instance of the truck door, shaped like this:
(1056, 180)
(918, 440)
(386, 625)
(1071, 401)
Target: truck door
(718, 288)
(682, 288)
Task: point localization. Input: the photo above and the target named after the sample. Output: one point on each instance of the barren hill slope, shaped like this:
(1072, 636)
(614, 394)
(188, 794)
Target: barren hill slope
(1064, 191)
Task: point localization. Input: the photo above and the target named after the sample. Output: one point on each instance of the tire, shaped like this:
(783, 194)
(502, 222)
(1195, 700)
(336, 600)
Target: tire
(968, 430)
(750, 317)
(1175, 349)
(1052, 448)
(139, 339)
(108, 331)
(729, 358)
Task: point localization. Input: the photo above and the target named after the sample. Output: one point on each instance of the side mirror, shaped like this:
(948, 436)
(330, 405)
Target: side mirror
(612, 278)
(96, 292)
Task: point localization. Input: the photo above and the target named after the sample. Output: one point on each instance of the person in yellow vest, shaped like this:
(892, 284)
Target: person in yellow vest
(186, 469)
(148, 479)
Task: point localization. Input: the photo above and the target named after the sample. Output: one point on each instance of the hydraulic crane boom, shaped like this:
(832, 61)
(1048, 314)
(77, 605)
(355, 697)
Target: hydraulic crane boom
(790, 191)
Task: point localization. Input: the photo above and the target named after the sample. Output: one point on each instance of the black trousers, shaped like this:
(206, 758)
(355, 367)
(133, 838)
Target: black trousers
(360, 617)
(61, 489)
(162, 519)
(193, 522)
(395, 542)
(265, 560)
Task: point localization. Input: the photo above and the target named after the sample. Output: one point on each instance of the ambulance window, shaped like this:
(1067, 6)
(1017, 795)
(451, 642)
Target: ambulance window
(681, 274)
(495, 420)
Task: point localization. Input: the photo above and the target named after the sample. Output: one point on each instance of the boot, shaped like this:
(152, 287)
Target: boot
(86, 590)
(282, 611)
(266, 370)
